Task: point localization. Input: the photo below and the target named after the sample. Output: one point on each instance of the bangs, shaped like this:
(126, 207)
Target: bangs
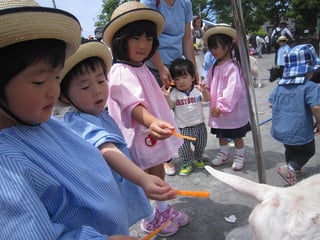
(138, 28)
(179, 70)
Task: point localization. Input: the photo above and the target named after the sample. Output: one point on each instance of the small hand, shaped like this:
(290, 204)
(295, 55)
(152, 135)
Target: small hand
(165, 77)
(160, 129)
(166, 91)
(157, 189)
(202, 87)
(215, 112)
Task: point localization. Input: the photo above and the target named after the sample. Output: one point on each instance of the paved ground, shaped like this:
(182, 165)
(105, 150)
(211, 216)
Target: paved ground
(207, 215)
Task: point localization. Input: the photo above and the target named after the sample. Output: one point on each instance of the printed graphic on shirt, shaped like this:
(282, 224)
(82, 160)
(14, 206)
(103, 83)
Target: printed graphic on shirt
(150, 141)
(188, 100)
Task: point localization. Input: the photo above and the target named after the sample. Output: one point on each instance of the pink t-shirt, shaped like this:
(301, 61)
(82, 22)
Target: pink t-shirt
(128, 87)
(228, 93)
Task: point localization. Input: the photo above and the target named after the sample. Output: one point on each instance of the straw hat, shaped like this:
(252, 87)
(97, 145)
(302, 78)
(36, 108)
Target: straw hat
(221, 28)
(282, 38)
(23, 20)
(129, 12)
(86, 50)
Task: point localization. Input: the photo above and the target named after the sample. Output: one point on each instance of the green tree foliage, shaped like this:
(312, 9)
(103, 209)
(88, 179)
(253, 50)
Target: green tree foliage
(108, 6)
(305, 13)
(255, 12)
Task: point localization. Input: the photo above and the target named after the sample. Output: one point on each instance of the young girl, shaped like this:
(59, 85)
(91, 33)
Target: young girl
(84, 87)
(186, 101)
(229, 107)
(136, 101)
(54, 185)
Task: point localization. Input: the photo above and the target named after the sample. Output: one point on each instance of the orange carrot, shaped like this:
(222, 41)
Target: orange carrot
(200, 194)
(183, 136)
(156, 231)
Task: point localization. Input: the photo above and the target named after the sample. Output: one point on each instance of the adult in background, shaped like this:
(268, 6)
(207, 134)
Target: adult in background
(267, 46)
(260, 44)
(197, 33)
(175, 41)
(281, 30)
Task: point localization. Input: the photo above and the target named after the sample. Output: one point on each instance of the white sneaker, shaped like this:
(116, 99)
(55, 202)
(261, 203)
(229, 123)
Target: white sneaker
(220, 159)
(238, 163)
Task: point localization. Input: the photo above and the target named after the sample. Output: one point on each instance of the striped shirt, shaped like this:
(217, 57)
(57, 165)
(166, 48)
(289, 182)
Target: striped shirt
(54, 185)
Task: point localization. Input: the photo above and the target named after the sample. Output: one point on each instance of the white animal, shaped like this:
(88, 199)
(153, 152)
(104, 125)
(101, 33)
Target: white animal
(255, 72)
(283, 213)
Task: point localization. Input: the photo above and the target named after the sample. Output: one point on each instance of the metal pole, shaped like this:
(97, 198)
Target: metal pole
(54, 3)
(242, 43)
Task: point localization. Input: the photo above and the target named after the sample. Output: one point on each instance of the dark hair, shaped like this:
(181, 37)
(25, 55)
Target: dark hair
(195, 19)
(85, 66)
(181, 67)
(137, 28)
(17, 57)
(225, 41)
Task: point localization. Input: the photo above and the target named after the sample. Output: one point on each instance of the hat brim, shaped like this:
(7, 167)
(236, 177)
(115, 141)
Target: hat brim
(87, 50)
(297, 71)
(229, 31)
(132, 16)
(29, 23)
(282, 40)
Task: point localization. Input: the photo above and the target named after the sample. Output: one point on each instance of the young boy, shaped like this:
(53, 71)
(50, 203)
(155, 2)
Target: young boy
(53, 185)
(295, 101)
(84, 87)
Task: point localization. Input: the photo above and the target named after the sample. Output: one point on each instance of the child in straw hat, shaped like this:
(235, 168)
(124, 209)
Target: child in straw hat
(136, 102)
(84, 87)
(295, 101)
(229, 107)
(54, 185)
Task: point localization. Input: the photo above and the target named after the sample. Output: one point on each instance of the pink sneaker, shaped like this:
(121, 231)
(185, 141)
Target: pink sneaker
(170, 229)
(179, 217)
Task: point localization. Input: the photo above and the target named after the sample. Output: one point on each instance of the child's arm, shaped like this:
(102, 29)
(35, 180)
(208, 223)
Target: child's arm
(166, 94)
(205, 92)
(164, 72)
(154, 187)
(157, 128)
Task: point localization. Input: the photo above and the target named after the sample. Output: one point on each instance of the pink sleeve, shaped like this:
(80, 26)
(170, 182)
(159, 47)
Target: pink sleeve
(125, 89)
(233, 91)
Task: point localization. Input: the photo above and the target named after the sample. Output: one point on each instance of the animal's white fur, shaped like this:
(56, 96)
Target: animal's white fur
(284, 213)
(255, 71)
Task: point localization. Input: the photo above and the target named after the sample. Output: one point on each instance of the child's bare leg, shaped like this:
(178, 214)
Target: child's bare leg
(223, 141)
(157, 171)
(238, 143)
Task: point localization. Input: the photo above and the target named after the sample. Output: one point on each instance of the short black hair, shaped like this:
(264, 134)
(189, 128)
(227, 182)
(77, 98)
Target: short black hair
(181, 67)
(17, 57)
(85, 66)
(120, 39)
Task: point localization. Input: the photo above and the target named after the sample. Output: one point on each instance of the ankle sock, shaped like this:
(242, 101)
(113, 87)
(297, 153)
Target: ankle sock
(224, 149)
(161, 205)
(239, 152)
